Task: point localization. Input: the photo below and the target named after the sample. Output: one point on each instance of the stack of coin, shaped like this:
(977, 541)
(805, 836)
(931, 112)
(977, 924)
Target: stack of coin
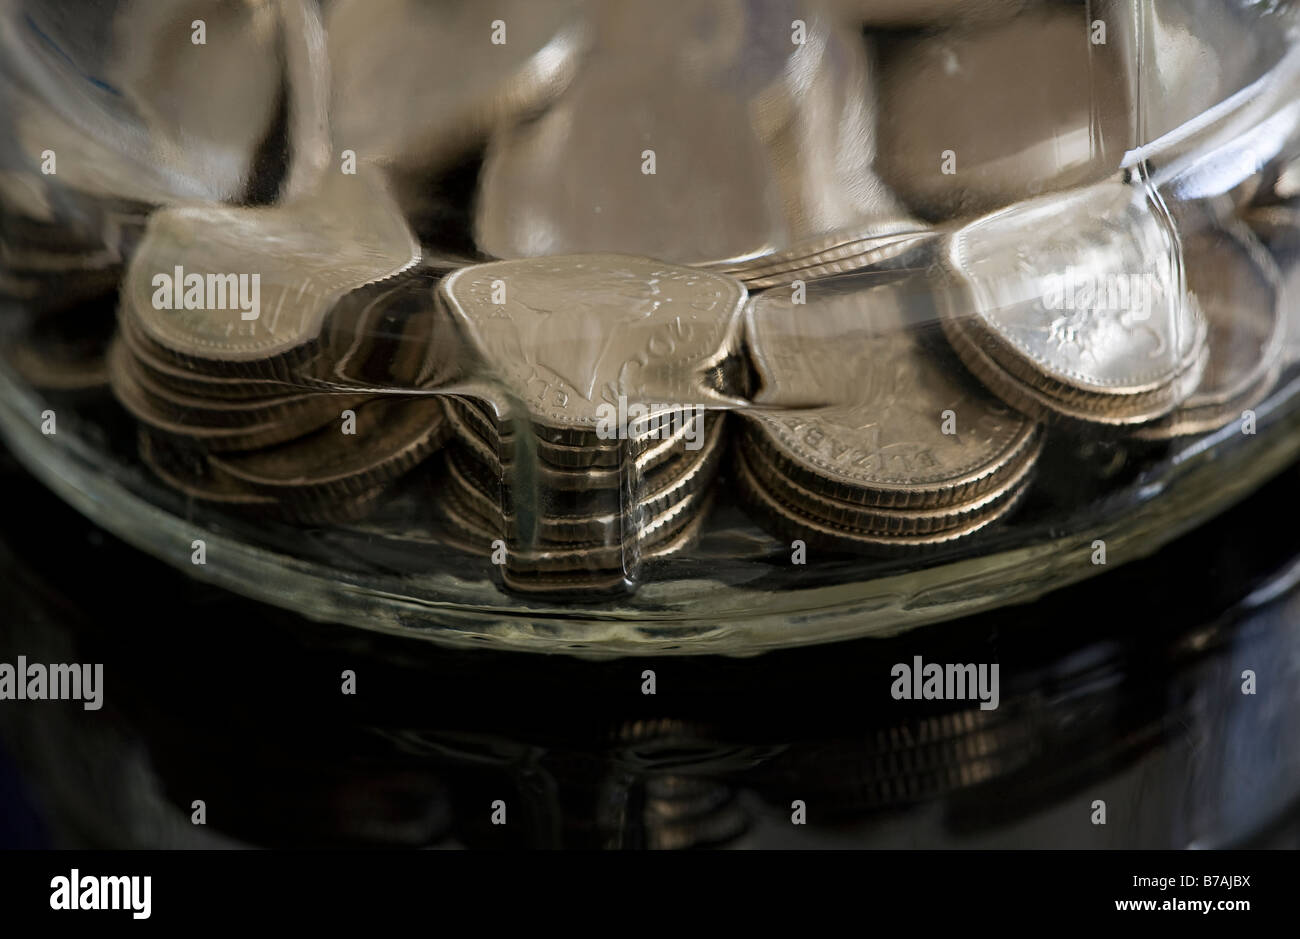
(392, 435)
(232, 415)
(871, 441)
(1239, 289)
(589, 528)
(245, 392)
(51, 265)
(325, 476)
(226, 292)
(696, 131)
(58, 248)
(588, 445)
(1089, 320)
(61, 261)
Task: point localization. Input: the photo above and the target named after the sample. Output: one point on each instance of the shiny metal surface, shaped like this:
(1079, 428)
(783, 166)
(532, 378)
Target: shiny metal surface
(415, 84)
(949, 144)
(573, 331)
(1116, 341)
(730, 143)
(1239, 289)
(307, 255)
(879, 433)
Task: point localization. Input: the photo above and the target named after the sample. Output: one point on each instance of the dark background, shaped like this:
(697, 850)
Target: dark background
(1126, 688)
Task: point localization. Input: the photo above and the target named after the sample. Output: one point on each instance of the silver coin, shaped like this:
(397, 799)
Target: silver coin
(445, 73)
(305, 256)
(883, 521)
(392, 436)
(573, 334)
(979, 118)
(204, 412)
(865, 403)
(579, 492)
(975, 351)
(1239, 288)
(302, 416)
(696, 132)
(177, 379)
(600, 528)
(1094, 304)
(594, 466)
(565, 570)
(188, 472)
(793, 520)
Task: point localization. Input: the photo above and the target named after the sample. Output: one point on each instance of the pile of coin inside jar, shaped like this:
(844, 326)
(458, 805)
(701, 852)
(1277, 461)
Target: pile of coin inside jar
(590, 266)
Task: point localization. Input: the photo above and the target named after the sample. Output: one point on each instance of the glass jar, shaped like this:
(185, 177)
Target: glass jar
(623, 329)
